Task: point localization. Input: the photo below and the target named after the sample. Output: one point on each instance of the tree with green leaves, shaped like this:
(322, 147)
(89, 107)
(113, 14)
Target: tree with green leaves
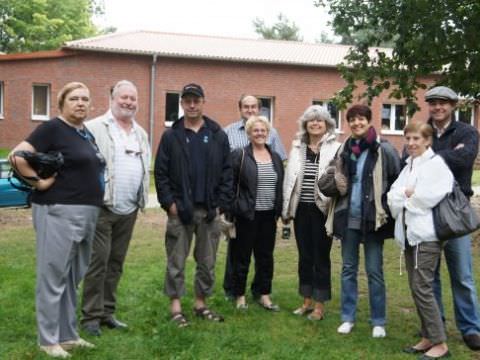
(427, 37)
(283, 29)
(33, 25)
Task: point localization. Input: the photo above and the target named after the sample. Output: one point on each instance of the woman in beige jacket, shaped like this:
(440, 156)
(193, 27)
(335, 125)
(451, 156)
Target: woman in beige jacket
(312, 151)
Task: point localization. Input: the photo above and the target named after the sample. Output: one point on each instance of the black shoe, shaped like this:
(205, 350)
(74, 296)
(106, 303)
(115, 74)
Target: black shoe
(472, 341)
(113, 323)
(426, 357)
(92, 329)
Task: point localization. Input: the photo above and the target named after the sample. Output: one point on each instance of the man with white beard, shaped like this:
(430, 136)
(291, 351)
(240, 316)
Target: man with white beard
(124, 144)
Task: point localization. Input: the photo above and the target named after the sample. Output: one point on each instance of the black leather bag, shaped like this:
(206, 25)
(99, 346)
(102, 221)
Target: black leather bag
(454, 216)
(44, 164)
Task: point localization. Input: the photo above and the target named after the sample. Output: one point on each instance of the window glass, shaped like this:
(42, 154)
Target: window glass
(173, 110)
(41, 102)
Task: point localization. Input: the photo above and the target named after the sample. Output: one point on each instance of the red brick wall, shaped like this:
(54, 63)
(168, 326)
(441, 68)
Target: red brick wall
(292, 87)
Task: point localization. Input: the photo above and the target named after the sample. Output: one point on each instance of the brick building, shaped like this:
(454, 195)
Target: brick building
(287, 76)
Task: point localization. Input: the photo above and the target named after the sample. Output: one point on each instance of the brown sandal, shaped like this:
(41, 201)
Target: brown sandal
(315, 315)
(302, 310)
(207, 314)
(179, 319)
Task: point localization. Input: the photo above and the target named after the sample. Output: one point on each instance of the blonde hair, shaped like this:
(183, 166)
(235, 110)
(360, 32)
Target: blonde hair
(67, 89)
(422, 128)
(252, 120)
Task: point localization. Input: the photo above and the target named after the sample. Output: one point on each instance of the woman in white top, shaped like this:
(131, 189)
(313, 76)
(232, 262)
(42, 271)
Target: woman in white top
(422, 184)
(312, 151)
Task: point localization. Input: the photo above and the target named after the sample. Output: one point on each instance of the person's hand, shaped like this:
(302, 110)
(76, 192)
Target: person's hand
(173, 210)
(44, 184)
(409, 192)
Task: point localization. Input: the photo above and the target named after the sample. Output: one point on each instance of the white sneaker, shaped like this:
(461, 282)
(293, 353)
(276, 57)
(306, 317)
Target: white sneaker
(345, 328)
(69, 345)
(379, 332)
(55, 351)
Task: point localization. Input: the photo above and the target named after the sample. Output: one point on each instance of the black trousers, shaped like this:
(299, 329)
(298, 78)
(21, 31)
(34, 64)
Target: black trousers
(257, 236)
(314, 267)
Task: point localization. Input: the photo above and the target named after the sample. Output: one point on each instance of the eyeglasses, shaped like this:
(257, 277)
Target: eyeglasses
(133, 152)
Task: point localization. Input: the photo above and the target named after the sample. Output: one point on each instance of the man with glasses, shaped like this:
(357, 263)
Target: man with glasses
(124, 144)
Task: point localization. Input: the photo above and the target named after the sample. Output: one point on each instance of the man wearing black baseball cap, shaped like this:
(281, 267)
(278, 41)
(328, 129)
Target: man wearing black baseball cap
(457, 143)
(193, 177)
(193, 89)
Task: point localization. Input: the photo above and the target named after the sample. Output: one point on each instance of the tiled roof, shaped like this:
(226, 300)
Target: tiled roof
(215, 48)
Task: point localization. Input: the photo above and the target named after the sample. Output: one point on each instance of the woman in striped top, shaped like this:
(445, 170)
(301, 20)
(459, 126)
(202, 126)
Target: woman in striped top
(258, 178)
(311, 153)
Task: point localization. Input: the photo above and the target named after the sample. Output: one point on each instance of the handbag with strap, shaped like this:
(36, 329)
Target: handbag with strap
(229, 226)
(453, 216)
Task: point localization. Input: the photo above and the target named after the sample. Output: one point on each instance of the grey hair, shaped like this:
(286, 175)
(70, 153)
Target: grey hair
(311, 113)
(121, 83)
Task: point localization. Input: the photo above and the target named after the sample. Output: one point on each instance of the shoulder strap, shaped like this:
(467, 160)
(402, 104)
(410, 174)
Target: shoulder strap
(240, 172)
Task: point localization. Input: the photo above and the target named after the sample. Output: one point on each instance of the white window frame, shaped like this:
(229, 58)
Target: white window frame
(41, 117)
(169, 124)
(392, 130)
(272, 106)
(324, 103)
(472, 117)
(2, 95)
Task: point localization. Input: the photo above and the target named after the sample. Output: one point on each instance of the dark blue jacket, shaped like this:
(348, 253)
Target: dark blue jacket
(461, 160)
(173, 179)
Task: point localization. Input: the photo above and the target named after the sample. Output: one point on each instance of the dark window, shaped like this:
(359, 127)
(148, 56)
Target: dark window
(172, 108)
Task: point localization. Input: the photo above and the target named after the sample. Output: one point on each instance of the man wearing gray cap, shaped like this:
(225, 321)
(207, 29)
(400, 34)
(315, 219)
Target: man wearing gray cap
(457, 143)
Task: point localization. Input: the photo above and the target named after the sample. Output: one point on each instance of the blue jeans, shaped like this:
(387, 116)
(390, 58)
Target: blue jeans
(458, 254)
(373, 250)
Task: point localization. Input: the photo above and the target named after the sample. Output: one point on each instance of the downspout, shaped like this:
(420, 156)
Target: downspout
(153, 73)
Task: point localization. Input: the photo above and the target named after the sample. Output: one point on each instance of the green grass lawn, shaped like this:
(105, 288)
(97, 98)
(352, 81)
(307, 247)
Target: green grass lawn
(255, 334)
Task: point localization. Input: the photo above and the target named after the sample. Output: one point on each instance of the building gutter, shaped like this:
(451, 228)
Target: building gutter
(153, 73)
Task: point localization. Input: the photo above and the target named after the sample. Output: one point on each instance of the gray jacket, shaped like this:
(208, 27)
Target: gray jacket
(101, 129)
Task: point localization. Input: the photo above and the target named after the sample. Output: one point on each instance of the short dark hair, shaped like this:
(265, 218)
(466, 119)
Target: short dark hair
(359, 110)
(240, 101)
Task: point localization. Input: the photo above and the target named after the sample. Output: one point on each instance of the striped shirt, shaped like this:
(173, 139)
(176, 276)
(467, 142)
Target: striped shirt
(238, 138)
(128, 170)
(266, 186)
(310, 172)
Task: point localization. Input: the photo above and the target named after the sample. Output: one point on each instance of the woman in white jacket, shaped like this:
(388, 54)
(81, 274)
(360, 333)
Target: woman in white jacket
(312, 151)
(422, 184)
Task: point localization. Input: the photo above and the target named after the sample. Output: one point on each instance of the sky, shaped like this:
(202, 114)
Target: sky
(213, 17)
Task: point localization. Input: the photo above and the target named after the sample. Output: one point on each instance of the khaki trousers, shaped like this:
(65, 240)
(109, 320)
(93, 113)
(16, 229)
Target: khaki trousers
(421, 262)
(178, 240)
(112, 238)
